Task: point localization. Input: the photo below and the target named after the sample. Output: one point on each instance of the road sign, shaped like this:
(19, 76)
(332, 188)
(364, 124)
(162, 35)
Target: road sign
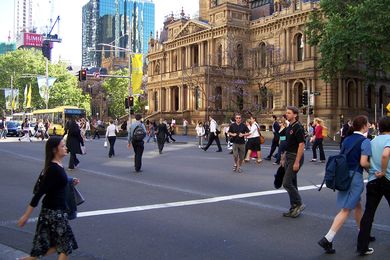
(388, 107)
(317, 93)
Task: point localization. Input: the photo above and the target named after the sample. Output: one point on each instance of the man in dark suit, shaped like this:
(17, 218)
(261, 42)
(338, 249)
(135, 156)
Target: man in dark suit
(275, 139)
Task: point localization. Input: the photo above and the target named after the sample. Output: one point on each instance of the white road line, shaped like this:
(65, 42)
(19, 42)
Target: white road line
(186, 203)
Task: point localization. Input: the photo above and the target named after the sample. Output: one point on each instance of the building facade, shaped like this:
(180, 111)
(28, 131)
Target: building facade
(250, 56)
(123, 23)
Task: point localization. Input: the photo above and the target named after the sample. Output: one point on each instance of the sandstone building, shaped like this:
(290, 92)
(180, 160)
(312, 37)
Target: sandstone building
(249, 56)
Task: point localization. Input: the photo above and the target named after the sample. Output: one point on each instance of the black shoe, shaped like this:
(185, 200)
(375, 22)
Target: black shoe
(327, 246)
(268, 158)
(369, 251)
(204, 149)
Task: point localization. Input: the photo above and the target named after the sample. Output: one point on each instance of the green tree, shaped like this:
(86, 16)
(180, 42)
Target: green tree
(351, 35)
(24, 66)
(117, 91)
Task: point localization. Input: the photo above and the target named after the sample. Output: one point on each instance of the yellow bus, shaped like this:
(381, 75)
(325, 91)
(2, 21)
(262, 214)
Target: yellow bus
(19, 117)
(58, 117)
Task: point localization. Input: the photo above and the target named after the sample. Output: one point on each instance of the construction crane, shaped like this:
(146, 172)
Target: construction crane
(48, 40)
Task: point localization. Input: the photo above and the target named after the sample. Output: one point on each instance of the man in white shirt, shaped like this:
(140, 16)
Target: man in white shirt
(214, 132)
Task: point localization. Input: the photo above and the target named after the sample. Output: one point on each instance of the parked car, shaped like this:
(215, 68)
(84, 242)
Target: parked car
(14, 128)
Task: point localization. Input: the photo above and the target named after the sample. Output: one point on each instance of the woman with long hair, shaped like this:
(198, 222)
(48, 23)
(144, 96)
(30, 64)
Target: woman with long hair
(358, 159)
(318, 140)
(53, 232)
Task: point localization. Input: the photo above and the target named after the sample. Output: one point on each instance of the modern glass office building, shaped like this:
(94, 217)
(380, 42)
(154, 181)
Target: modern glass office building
(123, 23)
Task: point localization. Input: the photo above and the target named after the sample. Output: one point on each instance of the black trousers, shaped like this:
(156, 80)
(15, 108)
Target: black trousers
(212, 137)
(376, 189)
(160, 143)
(138, 151)
(318, 143)
(96, 133)
(274, 144)
(111, 140)
(73, 161)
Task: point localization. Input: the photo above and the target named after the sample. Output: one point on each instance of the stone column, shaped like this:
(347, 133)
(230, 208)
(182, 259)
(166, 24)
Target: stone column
(339, 93)
(288, 93)
(180, 98)
(288, 45)
(179, 59)
(200, 53)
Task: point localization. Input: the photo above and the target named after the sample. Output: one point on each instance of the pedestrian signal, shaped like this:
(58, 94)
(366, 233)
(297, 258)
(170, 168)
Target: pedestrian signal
(131, 101)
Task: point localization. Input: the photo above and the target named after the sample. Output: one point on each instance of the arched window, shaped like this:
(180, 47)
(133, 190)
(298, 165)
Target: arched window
(240, 99)
(299, 47)
(197, 98)
(262, 55)
(369, 96)
(240, 57)
(157, 68)
(351, 95)
(218, 98)
(219, 55)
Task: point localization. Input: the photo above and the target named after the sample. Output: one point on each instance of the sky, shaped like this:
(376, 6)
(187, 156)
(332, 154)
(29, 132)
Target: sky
(70, 12)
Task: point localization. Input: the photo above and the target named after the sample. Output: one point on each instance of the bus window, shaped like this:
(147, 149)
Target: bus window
(58, 118)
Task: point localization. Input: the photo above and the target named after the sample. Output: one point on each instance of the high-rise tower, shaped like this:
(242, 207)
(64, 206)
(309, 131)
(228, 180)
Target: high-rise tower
(123, 23)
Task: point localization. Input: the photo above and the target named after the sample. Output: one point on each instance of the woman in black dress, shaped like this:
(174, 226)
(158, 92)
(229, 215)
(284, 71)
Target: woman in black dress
(53, 232)
(73, 143)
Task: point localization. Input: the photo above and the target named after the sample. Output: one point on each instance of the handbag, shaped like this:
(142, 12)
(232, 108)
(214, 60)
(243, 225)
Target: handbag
(279, 175)
(262, 139)
(105, 144)
(78, 197)
(83, 149)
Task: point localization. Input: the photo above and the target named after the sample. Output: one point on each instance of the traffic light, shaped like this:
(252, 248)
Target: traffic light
(131, 101)
(82, 75)
(311, 111)
(127, 103)
(305, 100)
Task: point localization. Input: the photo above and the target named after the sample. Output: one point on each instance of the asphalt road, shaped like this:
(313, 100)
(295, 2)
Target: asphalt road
(187, 204)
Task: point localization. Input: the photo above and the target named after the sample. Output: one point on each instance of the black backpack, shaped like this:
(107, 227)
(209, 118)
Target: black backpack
(337, 170)
(138, 134)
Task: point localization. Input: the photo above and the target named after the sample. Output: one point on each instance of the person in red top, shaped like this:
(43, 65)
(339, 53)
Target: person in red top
(318, 140)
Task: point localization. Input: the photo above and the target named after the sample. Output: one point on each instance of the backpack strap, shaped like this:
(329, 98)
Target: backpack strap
(346, 152)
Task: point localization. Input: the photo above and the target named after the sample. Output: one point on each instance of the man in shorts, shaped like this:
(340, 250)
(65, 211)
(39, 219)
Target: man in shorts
(237, 132)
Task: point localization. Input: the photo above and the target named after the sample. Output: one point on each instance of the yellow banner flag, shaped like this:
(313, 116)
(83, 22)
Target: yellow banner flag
(136, 73)
(28, 103)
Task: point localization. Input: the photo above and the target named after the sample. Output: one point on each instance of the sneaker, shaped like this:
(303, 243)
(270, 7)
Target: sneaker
(322, 161)
(297, 211)
(313, 160)
(369, 251)
(327, 246)
(288, 213)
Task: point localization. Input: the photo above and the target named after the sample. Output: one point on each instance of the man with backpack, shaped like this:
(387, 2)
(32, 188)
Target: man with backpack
(137, 133)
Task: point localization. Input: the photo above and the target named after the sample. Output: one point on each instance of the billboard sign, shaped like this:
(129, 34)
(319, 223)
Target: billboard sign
(33, 40)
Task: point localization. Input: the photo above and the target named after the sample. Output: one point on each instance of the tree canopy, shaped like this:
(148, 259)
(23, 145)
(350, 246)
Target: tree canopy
(351, 35)
(117, 91)
(25, 65)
